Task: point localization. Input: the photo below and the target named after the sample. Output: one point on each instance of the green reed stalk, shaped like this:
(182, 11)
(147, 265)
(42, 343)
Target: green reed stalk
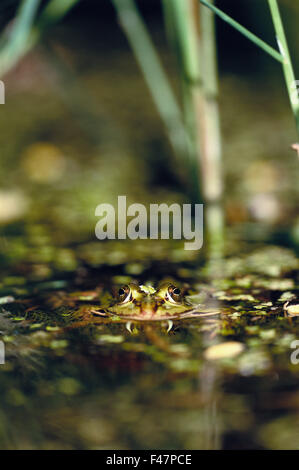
(192, 34)
(182, 27)
(211, 147)
(252, 37)
(287, 63)
(27, 29)
(18, 38)
(156, 79)
(210, 123)
(283, 56)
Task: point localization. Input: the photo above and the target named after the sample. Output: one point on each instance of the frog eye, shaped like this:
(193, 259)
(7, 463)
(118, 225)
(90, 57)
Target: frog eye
(124, 294)
(173, 294)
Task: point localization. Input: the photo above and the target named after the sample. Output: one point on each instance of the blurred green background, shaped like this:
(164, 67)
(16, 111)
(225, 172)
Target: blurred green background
(79, 126)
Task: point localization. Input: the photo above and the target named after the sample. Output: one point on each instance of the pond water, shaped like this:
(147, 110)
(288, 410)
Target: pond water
(221, 381)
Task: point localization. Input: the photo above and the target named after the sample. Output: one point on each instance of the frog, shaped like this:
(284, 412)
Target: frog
(138, 302)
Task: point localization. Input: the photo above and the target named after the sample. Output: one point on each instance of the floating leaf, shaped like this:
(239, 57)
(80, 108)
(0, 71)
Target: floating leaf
(224, 350)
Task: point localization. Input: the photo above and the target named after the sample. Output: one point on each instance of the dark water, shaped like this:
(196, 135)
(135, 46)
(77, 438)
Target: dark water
(93, 384)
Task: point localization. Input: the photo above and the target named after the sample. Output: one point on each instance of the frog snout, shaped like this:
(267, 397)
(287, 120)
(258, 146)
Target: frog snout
(149, 306)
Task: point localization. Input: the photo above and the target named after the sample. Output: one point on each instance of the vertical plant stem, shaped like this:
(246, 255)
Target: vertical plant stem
(210, 123)
(210, 135)
(252, 37)
(26, 32)
(80, 100)
(287, 63)
(156, 79)
(194, 42)
(186, 43)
